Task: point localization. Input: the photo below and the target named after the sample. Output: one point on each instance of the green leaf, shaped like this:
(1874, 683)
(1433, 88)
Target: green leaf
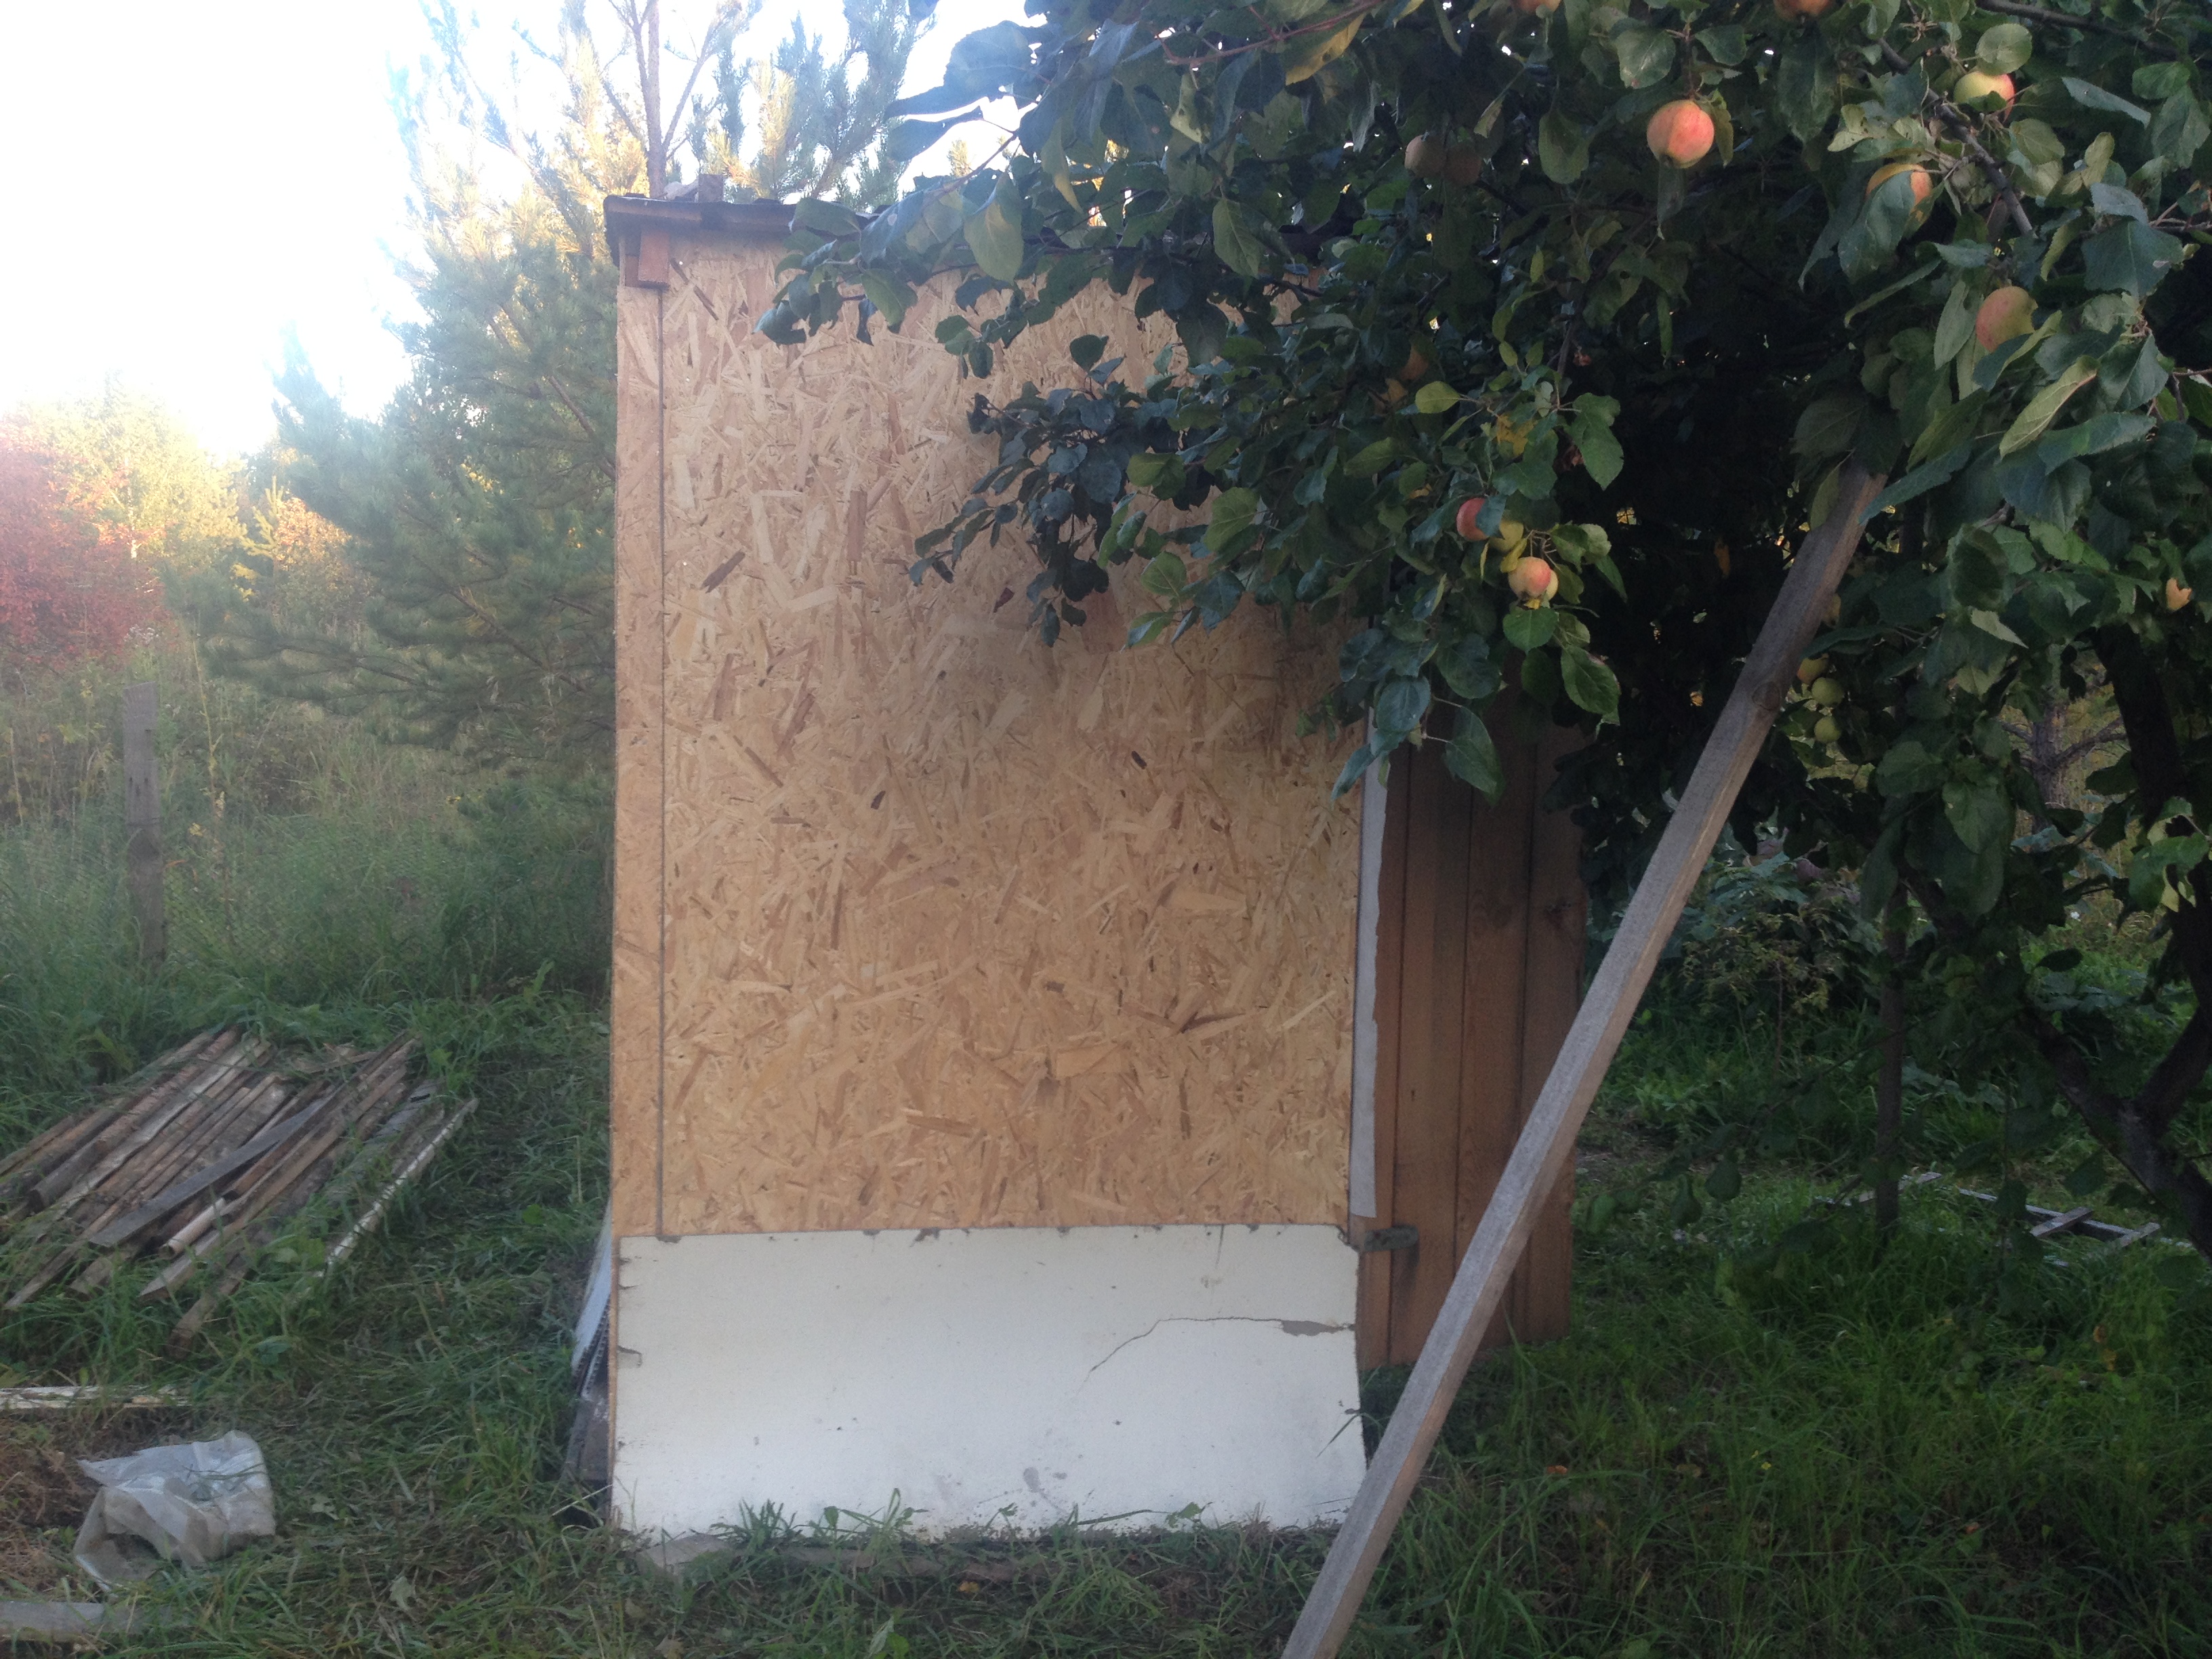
(1581, 541)
(2130, 258)
(1355, 765)
(1308, 55)
(1531, 629)
(1402, 705)
(1725, 1181)
(824, 219)
(1828, 426)
(2093, 437)
(1590, 683)
(887, 297)
(1805, 83)
(2155, 81)
(1162, 475)
(2117, 201)
(1994, 625)
(2179, 129)
(1980, 813)
(1233, 513)
(1646, 55)
(2003, 49)
(1600, 449)
(1908, 770)
(995, 237)
(1920, 480)
(1371, 459)
(1956, 326)
(1166, 576)
(2042, 408)
(2057, 495)
(978, 65)
(1434, 399)
(1240, 238)
(1955, 425)
(1472, 757)
(2178, 855)
(2090, 96)
(1562, 146)
(1468, 668)
(1726, 42)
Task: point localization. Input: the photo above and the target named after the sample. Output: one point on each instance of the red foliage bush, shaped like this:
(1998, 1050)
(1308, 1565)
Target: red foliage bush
(69, 588)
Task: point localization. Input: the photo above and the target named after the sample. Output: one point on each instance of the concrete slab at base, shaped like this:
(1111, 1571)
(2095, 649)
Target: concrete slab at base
(990, 1376)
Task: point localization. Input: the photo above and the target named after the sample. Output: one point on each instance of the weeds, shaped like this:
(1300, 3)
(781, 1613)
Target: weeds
(1754, 1443)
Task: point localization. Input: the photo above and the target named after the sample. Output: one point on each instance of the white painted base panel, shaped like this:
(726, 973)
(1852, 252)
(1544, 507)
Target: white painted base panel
(997, 1377)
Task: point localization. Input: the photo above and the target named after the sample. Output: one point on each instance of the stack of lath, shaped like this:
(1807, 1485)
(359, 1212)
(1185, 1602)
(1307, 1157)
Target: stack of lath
(206, 1159)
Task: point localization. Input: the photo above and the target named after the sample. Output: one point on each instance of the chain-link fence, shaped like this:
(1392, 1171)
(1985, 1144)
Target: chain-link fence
(362, 900)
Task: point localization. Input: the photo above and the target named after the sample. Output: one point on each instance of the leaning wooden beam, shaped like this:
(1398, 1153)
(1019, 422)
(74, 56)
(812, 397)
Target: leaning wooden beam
(1547, 1140)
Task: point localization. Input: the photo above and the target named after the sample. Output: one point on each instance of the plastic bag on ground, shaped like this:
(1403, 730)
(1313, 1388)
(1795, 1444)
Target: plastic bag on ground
(193, 1504)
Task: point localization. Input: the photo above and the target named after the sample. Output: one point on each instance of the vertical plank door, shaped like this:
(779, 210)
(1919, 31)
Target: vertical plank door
(1477, 975)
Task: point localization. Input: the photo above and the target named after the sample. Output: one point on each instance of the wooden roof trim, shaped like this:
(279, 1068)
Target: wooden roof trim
(639, 228)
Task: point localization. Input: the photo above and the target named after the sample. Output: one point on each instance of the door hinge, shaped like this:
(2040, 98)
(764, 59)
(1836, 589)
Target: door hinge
(1390, 1239)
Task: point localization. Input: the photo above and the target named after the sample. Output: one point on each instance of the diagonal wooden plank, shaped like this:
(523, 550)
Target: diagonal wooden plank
(1548, 1142)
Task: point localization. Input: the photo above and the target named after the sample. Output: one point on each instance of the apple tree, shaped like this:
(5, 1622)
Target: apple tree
(1523, 337)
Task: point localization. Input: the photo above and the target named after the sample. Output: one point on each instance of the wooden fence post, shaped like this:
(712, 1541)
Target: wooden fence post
(1547, 1139)
(142, 817)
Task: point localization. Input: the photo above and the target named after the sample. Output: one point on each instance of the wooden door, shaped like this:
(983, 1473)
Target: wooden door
(1478, 972)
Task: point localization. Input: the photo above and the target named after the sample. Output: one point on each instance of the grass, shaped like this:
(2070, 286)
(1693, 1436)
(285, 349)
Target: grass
(1757, 1441)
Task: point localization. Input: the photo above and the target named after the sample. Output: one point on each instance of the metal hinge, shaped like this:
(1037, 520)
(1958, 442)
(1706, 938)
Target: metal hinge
(1390, 1239)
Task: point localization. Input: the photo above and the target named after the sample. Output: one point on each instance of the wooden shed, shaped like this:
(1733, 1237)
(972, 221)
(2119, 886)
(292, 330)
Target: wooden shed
(1017, 1055)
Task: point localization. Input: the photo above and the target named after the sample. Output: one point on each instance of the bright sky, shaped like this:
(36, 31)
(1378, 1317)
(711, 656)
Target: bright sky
(191, 181)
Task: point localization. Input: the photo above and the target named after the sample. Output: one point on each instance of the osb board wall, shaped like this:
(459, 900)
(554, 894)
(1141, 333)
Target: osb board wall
(922, 923)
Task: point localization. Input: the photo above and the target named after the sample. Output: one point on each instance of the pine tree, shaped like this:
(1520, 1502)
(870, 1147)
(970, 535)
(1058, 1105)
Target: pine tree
(478, 508)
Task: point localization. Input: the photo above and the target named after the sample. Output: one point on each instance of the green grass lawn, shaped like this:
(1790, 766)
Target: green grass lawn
(1740, 1449)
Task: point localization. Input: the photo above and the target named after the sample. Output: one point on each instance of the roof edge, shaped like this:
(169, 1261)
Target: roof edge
(631, 220)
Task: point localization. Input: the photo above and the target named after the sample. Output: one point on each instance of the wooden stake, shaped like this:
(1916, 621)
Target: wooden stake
(1548, 1141)
(142, 818)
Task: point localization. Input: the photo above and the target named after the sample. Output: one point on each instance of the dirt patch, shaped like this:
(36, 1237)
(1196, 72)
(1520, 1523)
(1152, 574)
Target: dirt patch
(43, 1492)
(1611, 1153)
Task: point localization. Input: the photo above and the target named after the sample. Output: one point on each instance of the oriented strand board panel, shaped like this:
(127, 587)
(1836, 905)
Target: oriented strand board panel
(1156, 1367)
(953, 929)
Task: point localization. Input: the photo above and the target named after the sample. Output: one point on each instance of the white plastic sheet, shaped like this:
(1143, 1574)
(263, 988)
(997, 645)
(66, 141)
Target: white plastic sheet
(194, 1503)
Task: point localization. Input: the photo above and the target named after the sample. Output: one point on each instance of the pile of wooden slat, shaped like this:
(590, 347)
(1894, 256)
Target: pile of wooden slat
(205, 1158)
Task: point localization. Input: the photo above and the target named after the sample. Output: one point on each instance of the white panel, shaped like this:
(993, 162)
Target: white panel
(1373, 798)
(998, 1376)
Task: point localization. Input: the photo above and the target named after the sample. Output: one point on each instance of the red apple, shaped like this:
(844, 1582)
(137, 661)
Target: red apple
(2176, 595)
(1791, 10)
(1532, 581)
(1424, 156)
(1975, 85)
(1922, 183)
(1680, 133)
(1469, 511)
(2006, 314)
